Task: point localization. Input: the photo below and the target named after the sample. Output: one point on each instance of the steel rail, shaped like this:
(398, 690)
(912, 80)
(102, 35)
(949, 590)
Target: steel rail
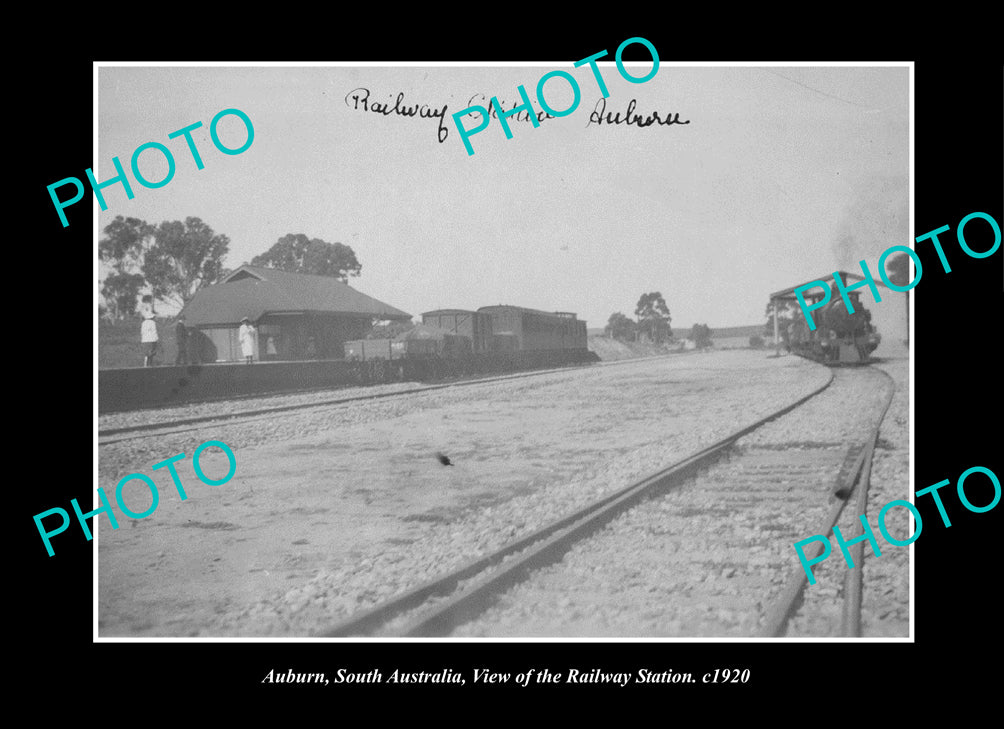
(850, 624)
(850, 617)
(556, 538)
(855, 482)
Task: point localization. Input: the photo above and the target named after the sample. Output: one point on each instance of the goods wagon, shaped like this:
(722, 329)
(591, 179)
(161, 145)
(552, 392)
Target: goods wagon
(420, 341)
(475, 326)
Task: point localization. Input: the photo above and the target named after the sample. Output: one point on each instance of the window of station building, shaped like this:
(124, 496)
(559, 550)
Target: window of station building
(267, 349)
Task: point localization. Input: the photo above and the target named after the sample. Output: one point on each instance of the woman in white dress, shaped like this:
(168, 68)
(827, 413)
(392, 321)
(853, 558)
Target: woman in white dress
(148, 331)
(247, 335)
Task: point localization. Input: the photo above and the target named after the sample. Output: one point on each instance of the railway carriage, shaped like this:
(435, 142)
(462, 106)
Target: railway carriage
(535, 330)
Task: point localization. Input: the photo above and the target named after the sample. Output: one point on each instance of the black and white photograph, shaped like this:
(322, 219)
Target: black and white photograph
(558, 385)
(477, 367)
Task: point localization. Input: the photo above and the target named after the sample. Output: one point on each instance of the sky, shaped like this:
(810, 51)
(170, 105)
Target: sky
(783, 174)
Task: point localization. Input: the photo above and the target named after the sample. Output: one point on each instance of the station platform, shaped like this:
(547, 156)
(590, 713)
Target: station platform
(149, 387)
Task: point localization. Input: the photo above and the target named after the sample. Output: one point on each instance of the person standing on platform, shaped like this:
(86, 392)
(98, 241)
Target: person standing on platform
(148, 331)
(181, 339)
(247, 337)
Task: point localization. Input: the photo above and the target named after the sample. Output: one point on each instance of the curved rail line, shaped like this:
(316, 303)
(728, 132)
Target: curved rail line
(169, 427)
(856, 484)
(544, 546)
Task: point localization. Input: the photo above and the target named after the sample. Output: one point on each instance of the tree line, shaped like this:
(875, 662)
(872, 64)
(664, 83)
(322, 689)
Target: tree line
(175, 259)
(652, 322)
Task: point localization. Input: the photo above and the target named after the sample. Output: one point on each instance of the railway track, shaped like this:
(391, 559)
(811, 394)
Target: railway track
(686, 518)
(158, 429)
(440, 606)
(841, 588)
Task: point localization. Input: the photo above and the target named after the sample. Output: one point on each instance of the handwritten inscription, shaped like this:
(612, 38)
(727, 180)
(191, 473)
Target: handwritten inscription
(360, 99)
(597, 116)
(521, 116)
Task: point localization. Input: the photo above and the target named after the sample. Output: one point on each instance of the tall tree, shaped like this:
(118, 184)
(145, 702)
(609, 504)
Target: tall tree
(123, 248)
(174, 259)
(620, 327)
(300, 254)
(786, 311)
(124, 243)
(121, 291)
(183, 258)
(701, 335)
(653, 317)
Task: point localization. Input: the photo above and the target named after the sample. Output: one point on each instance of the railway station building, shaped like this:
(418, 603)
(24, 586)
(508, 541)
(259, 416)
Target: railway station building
(297, 316)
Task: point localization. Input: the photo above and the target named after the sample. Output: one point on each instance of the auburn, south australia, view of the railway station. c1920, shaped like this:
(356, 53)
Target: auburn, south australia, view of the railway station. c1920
(557, 388)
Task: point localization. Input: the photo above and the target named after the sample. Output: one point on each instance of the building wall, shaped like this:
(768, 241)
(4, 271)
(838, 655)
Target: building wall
(294, 337)
(218, 344)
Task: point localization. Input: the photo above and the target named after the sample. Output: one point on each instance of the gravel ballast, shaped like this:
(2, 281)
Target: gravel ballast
(711, 557)
(333, 510)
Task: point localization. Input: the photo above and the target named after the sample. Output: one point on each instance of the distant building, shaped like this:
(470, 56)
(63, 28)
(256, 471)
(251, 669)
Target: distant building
(306, 317)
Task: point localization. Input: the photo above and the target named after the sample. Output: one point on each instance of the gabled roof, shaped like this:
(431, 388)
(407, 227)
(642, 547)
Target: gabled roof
(252, 291)
(827, 279)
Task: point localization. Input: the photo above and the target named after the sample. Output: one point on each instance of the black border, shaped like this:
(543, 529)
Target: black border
(958, 171)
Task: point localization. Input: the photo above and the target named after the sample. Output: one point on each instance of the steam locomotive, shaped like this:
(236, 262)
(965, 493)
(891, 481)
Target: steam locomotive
(840, 337)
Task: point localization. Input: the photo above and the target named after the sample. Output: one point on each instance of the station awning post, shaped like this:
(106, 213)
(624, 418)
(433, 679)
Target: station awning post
(777, 342)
